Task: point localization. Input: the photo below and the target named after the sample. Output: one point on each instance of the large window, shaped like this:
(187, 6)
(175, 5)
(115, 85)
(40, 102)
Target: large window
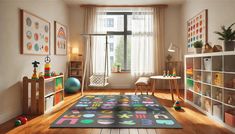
(118, 26)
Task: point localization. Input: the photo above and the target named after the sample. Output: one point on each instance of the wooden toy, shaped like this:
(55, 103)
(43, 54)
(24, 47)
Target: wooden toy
(168, 73)
(164, 73)
(35, 65)
(217, 48)
(40, 74)
(177, 106)
(17, 123)
(47, 67)
(208, 48)
(174, 72)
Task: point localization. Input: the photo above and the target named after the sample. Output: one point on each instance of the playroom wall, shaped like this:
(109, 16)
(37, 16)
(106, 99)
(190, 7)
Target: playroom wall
(125, 80)
(220, 12)
(13, 65)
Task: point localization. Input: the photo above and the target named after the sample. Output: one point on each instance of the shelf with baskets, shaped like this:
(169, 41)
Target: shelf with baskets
(210, 85)
(42, 95)
(76, 69)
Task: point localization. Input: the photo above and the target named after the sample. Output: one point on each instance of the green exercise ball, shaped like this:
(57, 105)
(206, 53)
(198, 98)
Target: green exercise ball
(72, 85)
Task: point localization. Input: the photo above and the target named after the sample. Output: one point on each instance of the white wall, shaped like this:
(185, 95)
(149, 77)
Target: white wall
(13, 65)
(220, 12)
(124, 80)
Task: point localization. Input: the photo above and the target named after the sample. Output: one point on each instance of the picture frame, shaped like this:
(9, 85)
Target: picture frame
(60, 39)
(35, 34)
(197, 29)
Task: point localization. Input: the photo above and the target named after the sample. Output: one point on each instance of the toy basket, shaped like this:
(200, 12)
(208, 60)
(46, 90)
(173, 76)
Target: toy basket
(207, 63)
(98, 80)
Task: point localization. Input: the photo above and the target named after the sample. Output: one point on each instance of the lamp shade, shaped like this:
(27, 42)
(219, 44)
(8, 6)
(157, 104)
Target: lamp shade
(171, 48)
(75, 50)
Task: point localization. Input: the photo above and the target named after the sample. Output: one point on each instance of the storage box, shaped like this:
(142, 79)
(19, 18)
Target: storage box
(49, 102)
(217, 111)
(229, 117)
(207, 63)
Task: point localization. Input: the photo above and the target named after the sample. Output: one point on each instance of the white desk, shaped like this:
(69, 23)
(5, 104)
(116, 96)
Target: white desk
(172, 82)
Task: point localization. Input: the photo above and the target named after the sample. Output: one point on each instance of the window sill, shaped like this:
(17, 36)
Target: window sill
(123, 72)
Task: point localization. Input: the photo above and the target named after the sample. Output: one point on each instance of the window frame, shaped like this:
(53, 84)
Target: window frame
(124, 33)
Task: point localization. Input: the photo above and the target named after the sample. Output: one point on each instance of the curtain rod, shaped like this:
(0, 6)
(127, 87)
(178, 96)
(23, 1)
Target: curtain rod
(91, 5)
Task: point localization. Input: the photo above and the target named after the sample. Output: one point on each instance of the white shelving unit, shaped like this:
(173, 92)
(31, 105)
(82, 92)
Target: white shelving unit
(210, 85)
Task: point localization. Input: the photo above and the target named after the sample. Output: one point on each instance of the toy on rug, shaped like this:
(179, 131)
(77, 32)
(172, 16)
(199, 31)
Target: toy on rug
(21, 120)
(35, 65)
(47, 67)
(177, 106)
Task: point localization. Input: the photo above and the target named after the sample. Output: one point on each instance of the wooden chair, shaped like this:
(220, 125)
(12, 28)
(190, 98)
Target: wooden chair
(142, 83)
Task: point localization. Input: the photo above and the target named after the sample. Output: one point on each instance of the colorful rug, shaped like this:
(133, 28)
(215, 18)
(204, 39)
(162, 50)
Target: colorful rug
(116, 111)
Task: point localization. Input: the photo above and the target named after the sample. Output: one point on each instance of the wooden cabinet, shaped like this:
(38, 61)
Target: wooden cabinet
(76, 69)
(210, 85)
(40, 96)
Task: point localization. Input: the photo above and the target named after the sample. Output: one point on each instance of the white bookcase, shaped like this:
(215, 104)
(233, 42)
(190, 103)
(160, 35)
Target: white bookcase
(210, 85)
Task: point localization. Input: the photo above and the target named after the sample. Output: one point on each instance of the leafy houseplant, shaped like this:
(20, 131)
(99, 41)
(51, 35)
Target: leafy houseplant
(117, 67)
(228, 36)
(198, 46)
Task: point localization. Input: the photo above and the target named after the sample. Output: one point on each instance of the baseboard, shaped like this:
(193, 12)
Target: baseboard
(8, 116)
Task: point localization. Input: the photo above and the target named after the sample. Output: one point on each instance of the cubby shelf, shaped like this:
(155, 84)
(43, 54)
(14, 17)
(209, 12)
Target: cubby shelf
(76, 69)
(210, 85)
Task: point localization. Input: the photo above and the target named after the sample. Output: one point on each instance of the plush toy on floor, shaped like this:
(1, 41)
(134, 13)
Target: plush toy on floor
(177, 106)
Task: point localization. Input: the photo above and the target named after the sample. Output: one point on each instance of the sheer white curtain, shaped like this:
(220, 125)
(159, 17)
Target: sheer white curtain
(95, 25)
(142, 45)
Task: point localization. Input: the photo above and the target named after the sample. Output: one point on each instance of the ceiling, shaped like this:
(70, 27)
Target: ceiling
(123, 2)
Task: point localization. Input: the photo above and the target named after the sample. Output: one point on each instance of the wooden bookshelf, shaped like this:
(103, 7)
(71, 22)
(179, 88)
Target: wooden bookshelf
(210, 85)
(42, 95)
(76, 69)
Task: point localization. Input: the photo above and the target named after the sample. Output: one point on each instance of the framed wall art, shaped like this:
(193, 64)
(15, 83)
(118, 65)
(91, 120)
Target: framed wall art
(35, 34)
(60, 39)
(197, 29)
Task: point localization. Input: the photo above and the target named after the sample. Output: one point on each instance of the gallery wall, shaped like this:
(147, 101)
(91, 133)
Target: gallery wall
(13, 65)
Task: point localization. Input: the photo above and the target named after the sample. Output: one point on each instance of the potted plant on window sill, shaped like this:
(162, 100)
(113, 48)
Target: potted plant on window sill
(117, 67)
(228, 36)
(198, 46)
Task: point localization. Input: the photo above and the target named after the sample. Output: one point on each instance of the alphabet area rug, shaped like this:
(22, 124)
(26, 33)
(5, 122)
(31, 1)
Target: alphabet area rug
(116, 111)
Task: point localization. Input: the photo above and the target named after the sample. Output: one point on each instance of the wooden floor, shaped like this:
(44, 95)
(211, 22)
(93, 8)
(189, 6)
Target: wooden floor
(192, 120)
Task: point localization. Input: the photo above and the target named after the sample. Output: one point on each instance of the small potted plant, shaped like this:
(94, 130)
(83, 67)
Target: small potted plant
(117, 67)
(228, 36)
(198, 46)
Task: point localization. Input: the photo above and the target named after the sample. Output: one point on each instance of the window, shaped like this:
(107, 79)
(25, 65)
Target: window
(117, 25)
(109, 22)
(111, 47)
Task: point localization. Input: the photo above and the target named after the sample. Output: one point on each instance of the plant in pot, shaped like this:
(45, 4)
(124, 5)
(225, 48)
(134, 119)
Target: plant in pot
(228, 36)
(117, 67)
(198, 46)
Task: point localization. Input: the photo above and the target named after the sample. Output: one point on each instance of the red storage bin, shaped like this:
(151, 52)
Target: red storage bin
(229, 117)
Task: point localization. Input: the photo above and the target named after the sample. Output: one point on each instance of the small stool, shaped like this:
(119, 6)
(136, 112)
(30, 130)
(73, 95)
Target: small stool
(142, 82)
